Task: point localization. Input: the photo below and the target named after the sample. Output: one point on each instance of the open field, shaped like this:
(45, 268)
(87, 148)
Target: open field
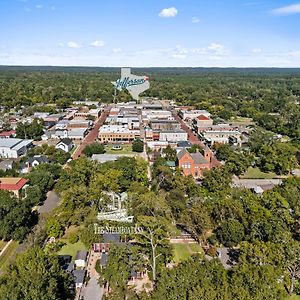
(183, 252)
(242, 121)
(255, 173)
(126, 149)
(71, 249)
(5, 258)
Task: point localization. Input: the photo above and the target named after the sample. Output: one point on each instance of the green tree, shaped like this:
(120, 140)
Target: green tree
(230, 233)
(94, 148)
(137, 145)
(36, 275)
(54, 228)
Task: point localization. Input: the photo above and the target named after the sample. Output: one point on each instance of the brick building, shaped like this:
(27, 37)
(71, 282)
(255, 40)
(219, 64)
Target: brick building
(195, 163)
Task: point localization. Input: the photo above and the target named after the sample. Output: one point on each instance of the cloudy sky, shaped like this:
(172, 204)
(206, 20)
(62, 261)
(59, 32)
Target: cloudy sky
(158, 33)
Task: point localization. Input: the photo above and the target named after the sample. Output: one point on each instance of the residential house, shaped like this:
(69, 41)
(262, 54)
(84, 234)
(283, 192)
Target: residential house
(65, 145)
(6, 165)
(32, 162)
(103, 260)
(7, 134)
(14, 185)
(81, 259)
(79, 277)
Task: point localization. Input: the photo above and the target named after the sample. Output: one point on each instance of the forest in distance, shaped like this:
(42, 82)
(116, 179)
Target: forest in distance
(269, 96)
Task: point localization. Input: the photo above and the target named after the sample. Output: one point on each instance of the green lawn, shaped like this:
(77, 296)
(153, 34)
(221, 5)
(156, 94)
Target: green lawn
(196, 248)
(294, 297)
(8, 254)
(126, 149)
(255, 173)
(74, 149)
(71, 249)
(242, 120)
(183, 252)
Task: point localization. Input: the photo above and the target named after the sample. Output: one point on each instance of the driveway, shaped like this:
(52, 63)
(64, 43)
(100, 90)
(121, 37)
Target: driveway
(50, 203)
(92, 291)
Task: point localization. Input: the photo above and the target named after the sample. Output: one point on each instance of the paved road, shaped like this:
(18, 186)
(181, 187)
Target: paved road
(192, 137)
(50, 203)
(92, 135)
(92, 291)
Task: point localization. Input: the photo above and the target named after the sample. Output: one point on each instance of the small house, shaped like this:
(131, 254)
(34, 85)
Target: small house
(81, 259)
(65, 145)
(32, 162)
(79, 276)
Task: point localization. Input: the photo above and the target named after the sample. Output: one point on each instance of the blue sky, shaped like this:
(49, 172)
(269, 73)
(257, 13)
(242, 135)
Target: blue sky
(196, 33)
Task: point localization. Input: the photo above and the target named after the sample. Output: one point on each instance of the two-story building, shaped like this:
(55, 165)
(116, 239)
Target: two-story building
(194, 163)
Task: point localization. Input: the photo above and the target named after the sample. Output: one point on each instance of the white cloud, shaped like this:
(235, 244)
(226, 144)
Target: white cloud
(98, 44)
(256, 50)
(116, 50)
(73, 45)
(61, 44)
(214, 57)
(287, 10)
(215, 47)
(170, 12)
(53, 8)
(39, 6)
(179, 56)
(195, 20)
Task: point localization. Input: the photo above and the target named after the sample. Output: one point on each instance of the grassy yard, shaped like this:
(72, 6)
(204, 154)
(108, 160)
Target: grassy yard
(74, 149)
(71, 249)
(242, 121)
(183, 252)
(126, 149)
(255, 173)
(294, 297)
(8, 254)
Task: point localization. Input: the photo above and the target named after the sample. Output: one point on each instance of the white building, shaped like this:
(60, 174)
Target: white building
(149, 115)
(117, 133)
(13, 148)
(221, 136)
(65, 145)
(81, 259)
(193, 114)
(173, 135)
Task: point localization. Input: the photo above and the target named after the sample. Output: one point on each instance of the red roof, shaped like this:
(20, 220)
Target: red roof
(8, 133)
(202, 117)
(12, 184)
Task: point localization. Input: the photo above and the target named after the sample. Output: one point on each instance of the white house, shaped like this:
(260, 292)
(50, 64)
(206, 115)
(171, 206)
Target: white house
(65, 145)
(13, 148)
(32, 162)
(81, 259)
